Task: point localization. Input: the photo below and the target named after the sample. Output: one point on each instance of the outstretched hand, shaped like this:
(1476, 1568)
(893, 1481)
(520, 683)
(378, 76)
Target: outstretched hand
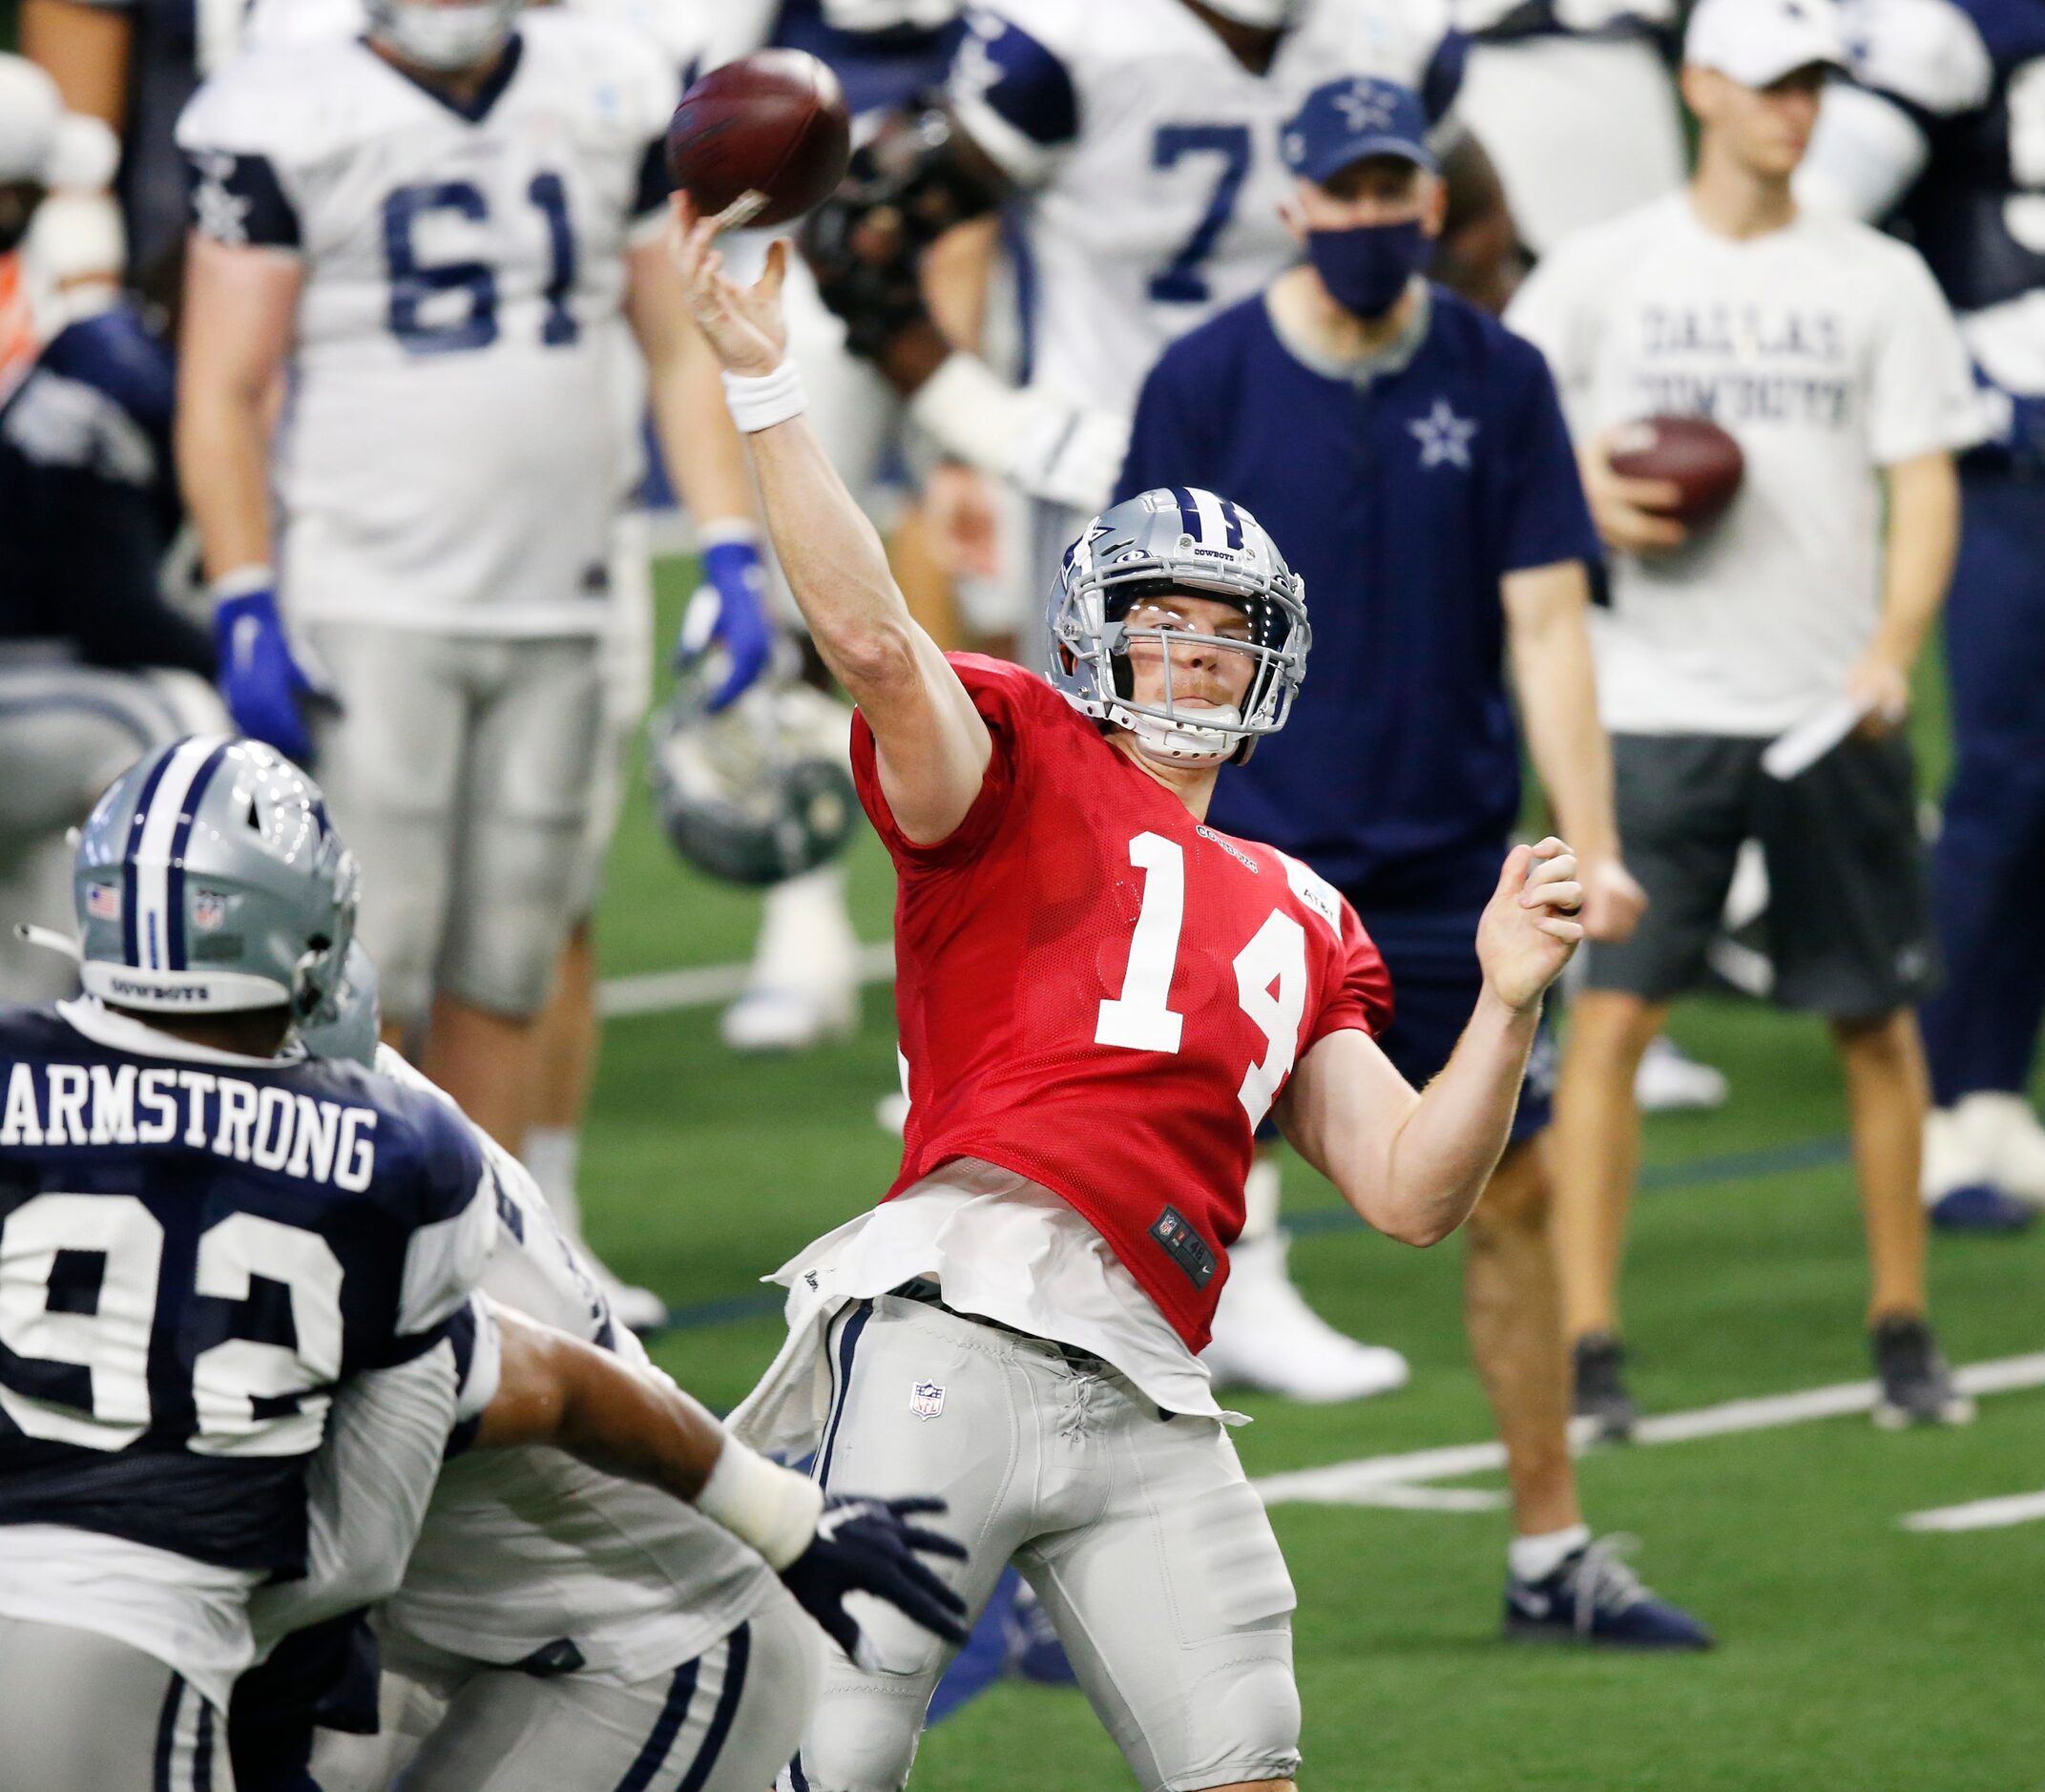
(874, 1545)
(744, 325)
(1529, 929)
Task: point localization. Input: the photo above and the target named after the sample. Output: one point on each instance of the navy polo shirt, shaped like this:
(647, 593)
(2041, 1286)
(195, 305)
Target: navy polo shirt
(1403, 497)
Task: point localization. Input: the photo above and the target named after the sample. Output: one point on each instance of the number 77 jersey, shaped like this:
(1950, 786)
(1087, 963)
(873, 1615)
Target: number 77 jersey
(1152, 158)
(1099, 992)
(458, 435)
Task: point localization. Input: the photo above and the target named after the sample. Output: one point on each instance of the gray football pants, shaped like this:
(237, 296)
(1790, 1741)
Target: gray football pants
(1142, 1537)
(80, 1712)
(726, 1721)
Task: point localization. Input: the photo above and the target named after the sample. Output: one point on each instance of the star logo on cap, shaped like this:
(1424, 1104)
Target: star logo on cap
(1443, 436)
(1364, 110)
(219, 213)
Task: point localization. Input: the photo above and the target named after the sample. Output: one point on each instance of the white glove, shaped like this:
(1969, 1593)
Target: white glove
(1050, 447)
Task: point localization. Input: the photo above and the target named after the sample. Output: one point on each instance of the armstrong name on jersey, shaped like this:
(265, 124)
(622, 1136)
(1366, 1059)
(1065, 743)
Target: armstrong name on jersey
(286, 1129)
(196, 1250)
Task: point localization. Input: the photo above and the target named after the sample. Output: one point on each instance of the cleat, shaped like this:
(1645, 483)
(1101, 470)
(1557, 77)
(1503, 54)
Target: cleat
(891, 1113)
(1267, 1338)
(636, 1310)
(1596, 1598)
(1667, 1082)
(1982, 1208)
(1035, 1653)
(789, 1020)
(1916, 1384)
(1601, 1397)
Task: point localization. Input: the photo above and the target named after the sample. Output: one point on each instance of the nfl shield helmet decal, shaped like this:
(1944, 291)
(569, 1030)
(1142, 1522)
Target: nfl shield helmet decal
(926, 1399)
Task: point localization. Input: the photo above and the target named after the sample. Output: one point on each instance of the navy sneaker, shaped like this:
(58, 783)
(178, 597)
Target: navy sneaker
(1917, 1387)
(1980, 1207)
(1600, 1394)
(1594, 1598)
(1035, 1653)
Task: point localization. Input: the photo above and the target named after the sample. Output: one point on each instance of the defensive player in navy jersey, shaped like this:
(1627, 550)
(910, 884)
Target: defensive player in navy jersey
(1415, 454)
(1943, 130)
(212, 1249)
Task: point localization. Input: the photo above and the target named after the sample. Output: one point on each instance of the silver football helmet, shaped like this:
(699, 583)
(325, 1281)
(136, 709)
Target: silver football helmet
(443, 37)
(760, 791)
(1177, 538)
(351, 1031)
(208, 879)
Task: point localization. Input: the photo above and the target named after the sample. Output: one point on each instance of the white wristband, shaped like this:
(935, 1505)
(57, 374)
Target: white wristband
(243, 580)
(760, 401)
(762, 1504)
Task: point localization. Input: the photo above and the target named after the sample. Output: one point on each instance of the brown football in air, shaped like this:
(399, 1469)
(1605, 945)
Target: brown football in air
(1690, 452)
(768, 135)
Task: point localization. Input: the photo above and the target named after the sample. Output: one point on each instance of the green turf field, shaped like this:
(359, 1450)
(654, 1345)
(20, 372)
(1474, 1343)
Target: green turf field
(1855, 1655)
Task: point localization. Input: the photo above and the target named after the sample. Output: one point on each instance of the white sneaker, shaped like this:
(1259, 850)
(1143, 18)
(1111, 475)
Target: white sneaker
(2009, 1132)
(636, 1310)
(789, 1020)
(1667, 1082)
(1955, 1151)
(803, 989)
(1266, 1337)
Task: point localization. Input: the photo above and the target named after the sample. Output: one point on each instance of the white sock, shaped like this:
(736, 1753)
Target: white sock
(1536, 1558)
(551, 1154)
(805, 933)
(1260, 1200)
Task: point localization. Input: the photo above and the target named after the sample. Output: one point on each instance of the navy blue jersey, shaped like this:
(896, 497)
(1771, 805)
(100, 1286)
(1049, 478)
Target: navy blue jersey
(88, 502)
(877, 69)
(1402, 502)
(195, 1250)
(1971, 74)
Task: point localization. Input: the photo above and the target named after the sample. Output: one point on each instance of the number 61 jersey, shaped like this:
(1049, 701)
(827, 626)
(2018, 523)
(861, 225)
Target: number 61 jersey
(1096, 991)
(452, 451)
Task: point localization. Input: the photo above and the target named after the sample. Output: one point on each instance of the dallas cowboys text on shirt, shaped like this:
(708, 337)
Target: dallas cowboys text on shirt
(1788, 363)
(126, 1104)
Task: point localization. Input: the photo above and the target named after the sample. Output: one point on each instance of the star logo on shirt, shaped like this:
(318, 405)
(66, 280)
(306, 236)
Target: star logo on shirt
(1364, 110)
(1443, 436)
(219, 213)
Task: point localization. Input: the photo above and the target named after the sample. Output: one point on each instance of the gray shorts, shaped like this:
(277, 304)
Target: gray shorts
(80, 1712)
(726, 1721)
(463, 771)
(1151, 1555)
(1849, 925)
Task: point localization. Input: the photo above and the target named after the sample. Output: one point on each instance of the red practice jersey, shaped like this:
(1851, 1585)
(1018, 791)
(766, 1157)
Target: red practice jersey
(1098, 992)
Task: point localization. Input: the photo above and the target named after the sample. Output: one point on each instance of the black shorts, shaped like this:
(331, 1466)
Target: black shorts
(1848, 925)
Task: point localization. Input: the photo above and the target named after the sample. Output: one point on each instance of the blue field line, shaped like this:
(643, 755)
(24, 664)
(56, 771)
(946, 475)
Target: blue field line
(1733, 1166)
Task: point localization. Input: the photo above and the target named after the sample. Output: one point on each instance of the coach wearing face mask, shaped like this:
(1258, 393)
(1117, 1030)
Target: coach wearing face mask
(1409, 457)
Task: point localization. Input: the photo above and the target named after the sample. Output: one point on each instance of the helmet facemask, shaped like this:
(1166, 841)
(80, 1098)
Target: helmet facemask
(445, 38)
(1092, 638)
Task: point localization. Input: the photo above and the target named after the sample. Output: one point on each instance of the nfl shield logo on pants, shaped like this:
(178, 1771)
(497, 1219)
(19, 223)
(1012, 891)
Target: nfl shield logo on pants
(926, 1399)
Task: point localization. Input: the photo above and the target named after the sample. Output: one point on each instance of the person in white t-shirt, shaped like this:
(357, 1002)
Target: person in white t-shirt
(1826, 351)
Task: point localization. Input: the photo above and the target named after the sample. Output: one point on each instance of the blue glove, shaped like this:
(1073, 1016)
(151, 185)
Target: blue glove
(260, 678)
(727, 611)
(869, 1546)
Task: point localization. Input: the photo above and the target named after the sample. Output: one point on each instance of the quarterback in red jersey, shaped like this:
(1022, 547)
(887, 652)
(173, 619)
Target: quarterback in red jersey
(1099, 998)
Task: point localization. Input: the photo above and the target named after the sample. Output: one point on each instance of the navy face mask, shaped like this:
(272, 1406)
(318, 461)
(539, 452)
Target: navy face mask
(1367, 267)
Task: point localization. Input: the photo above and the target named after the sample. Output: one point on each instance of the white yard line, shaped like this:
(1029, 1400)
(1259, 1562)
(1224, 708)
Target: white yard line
(1367, 1480)
(705, 985)
(1992, 1514)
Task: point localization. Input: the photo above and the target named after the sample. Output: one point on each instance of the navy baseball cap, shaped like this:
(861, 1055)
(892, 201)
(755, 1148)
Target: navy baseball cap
(1343, 121)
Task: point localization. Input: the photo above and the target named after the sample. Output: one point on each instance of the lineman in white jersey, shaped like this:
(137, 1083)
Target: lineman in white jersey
(445, 231)
(1138, 144)
(559, 1626)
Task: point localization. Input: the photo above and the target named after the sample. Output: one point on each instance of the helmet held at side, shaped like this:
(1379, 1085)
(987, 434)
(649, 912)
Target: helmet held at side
(1183, 539)
(760, 791)
(208, 880)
